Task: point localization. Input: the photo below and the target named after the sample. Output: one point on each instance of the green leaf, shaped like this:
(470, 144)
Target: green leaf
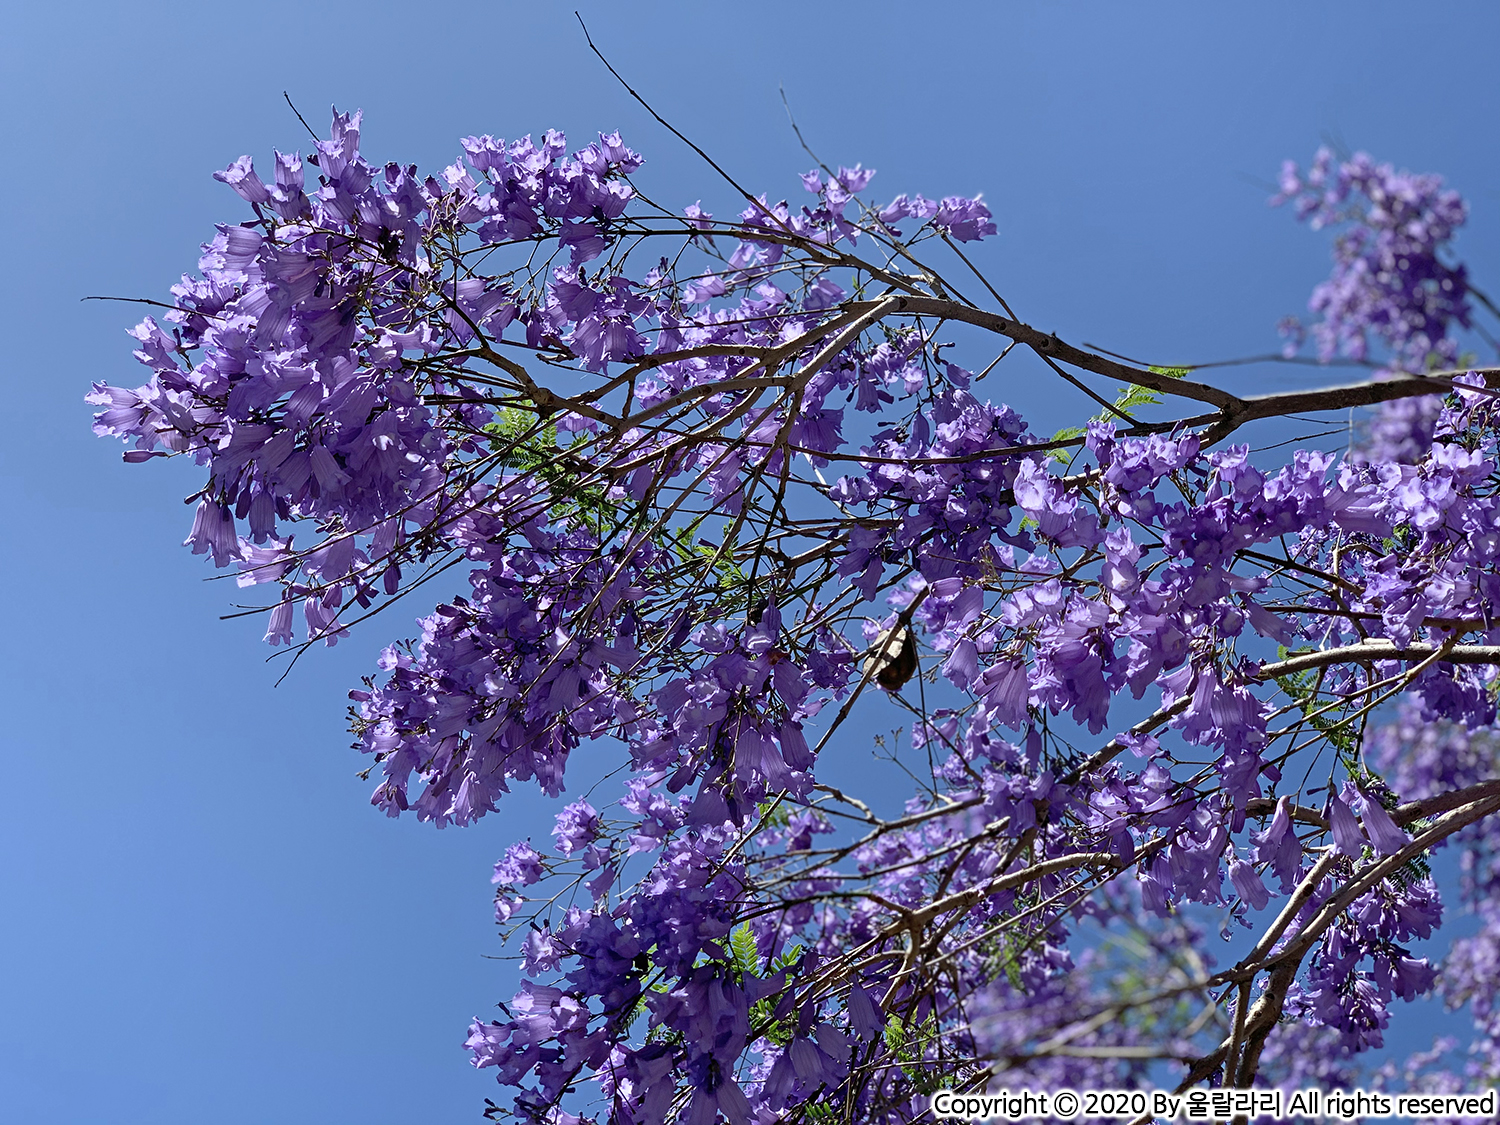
(909, 1044)
(787, 959)
(511, 435)
(1129, 398)
(742, 949)
(523, 446)
(1300, 687)
(1067, 433)
(1134, 396)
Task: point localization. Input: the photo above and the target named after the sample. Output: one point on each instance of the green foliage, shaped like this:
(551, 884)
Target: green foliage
(742, 950)
(911, 1045)
(1131, 397)
(1004, 956)
(726, 571)
(741, 959)
(773, 814)
(1302, 688)
(1171, 372)
(1067, 433)
(1135, 396)
(1414, 870)
(522, 444)
(1347, 743)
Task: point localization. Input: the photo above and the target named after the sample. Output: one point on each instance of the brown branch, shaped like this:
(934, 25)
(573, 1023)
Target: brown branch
(1112, 748)
(1379, 650)
(1284, 967)
(1367, 393)
(1047, 345)
(1233, 410)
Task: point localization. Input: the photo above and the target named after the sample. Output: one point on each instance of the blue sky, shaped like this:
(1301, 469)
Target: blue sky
(201, 918)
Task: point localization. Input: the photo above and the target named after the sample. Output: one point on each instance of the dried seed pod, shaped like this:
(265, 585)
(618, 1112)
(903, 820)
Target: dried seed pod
(892, 658)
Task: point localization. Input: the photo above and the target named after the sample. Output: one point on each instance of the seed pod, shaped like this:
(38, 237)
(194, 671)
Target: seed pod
(892, 658)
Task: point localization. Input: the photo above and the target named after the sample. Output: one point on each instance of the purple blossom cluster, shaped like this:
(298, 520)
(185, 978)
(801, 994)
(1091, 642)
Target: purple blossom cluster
(701, 502)
(1390, 285)
(1422, 759)
(1389, 280)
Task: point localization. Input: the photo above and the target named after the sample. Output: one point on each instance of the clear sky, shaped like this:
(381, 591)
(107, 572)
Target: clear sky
(201, 918)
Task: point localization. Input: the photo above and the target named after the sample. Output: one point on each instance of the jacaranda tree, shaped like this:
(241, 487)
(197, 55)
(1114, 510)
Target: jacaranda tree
(714, 480)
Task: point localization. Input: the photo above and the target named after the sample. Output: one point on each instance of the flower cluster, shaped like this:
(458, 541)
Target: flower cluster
(706, 485)
(1423, 760)
(1389, 281)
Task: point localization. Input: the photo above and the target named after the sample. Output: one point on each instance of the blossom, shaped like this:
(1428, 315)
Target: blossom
(670, 545)
(577, 825)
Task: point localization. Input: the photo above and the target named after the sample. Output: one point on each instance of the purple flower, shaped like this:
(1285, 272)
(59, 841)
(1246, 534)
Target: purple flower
(962, 664)
(1384, 835)
(1248, 884)
(1389, 280)
(213, 531)
(339, 368)
(965, 219)
(865, 1020)
(242, 178)
(1348, 838)
(822, 294)
(520, 867)
(577, 826)
(1278, 846)
(279, 623)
